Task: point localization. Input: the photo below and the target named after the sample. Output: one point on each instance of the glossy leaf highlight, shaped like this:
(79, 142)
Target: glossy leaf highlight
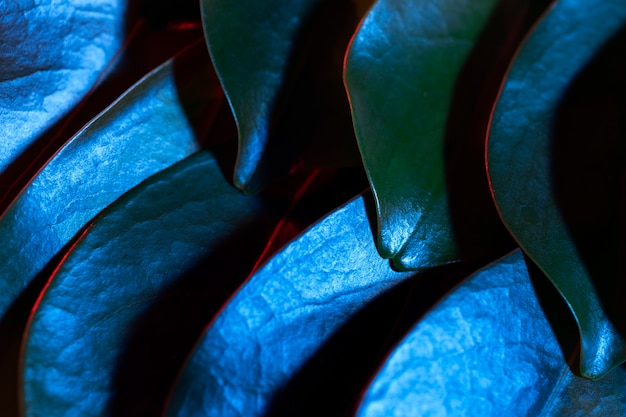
(401, 72)
(158, 122)
(282, 315)
(553, 195)
(488, 349)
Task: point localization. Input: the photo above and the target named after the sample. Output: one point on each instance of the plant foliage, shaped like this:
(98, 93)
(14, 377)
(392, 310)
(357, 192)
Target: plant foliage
(312, 207)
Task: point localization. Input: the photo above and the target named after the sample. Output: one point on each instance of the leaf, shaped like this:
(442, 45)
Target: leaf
(156, 123)
(553, 151)
(489, 350)
(280, 62)
(421, 77)
(135, 289)
(51, 53)
(282, 316)
(129, 289)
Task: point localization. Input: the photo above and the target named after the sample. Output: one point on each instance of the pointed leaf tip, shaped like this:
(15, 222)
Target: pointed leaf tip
(280, 64)
(282, 318)
(411, 76)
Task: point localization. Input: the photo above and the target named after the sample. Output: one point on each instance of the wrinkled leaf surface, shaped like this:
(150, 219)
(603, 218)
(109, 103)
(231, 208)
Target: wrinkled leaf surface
(282, 316)
(131, 284)
(489, 350)
(51, 54)
(155, 124)
(557, 187)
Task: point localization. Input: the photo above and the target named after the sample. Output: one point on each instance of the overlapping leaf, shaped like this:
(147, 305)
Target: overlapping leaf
(489, 350)
(400, 116)
(280, 64)
(283, 316)
(555, 178)
(51, 54)
(134, 292)
(421, 76)
(156, 123)
(134, 288)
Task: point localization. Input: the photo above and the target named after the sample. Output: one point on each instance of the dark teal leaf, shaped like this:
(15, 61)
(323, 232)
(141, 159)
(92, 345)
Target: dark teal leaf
(280, 63)
(171, 249)
(489, 350)
(282, 316)
(51, 54)
(156, 123)
(422, 77)
(556, 158)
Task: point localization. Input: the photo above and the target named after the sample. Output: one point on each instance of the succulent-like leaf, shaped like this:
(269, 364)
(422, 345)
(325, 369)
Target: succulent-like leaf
(155, 124)
(280, 62)
(282, 316)
(422, 76)
(51, 54)
(556, 158)
(135, 289)
(489, 350)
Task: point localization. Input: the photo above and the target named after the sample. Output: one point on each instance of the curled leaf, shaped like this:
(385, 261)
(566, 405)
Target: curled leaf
(556, 185)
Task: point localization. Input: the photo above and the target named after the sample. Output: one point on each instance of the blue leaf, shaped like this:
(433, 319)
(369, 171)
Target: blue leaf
(283, 315)
(152, 126)
(52, 53)
(489, 350)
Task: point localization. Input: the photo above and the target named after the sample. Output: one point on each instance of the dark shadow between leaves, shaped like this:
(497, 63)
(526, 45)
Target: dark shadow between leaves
(162, 337)
(311, 125)
(558, 314)
(214, 127)
(164, 14)
(12, 328)
(588, 154)
(476, 223)
(159, 340)
(164, 334)
(143, 50)
(331, 382)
